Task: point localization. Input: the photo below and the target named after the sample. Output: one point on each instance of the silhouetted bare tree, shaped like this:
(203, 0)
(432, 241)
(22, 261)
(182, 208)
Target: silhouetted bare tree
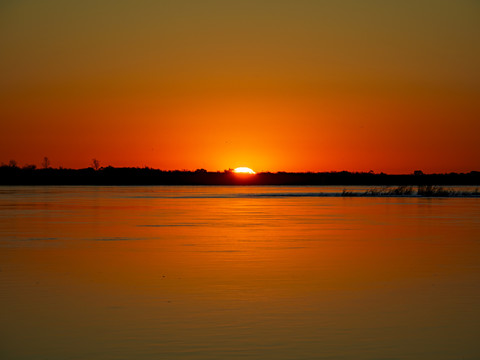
(12, 163)
(95, 164)
(46, 162)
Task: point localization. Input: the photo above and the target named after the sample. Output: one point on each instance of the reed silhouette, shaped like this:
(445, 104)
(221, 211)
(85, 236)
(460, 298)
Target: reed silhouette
(422, 190)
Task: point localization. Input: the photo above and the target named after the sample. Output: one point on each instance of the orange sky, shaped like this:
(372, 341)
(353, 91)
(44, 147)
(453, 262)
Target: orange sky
(273, 85)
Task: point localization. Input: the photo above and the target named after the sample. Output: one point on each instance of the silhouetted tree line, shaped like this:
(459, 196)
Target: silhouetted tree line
(12, 174)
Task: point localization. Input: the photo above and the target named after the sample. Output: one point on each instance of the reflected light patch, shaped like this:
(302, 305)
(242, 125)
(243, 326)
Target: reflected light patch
(243, 170)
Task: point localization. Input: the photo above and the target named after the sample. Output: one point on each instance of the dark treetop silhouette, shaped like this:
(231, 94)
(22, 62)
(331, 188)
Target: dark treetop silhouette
(28, 175)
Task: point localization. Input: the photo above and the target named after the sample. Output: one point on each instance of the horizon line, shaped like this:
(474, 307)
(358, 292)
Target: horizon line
(417, 172)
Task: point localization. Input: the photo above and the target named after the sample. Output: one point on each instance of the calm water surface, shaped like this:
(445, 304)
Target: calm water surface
(236, 272)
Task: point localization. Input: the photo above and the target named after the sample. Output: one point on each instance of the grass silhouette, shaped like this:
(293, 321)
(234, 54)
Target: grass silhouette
(422, 191)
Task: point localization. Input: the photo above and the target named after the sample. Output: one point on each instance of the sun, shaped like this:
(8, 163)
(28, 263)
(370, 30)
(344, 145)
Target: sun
(244, 170)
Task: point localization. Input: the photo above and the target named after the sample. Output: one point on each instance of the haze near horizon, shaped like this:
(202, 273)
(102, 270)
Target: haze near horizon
(270, 85)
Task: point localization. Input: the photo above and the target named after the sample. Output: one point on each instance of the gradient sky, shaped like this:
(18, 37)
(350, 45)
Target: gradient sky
(304, 85)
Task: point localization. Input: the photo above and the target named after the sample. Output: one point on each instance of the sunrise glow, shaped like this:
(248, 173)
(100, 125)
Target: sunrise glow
(196, 88)
(267, 179)
(244, 170)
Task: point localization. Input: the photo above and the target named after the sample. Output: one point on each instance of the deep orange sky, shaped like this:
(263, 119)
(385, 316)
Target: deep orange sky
(305, 85)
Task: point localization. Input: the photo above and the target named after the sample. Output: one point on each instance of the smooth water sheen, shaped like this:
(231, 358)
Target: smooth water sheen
(236, 272)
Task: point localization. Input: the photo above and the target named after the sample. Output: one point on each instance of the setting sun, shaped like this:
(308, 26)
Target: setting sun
(244, 170)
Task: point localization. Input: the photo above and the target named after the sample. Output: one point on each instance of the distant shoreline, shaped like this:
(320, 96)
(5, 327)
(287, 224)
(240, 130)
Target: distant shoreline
(12, 175)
